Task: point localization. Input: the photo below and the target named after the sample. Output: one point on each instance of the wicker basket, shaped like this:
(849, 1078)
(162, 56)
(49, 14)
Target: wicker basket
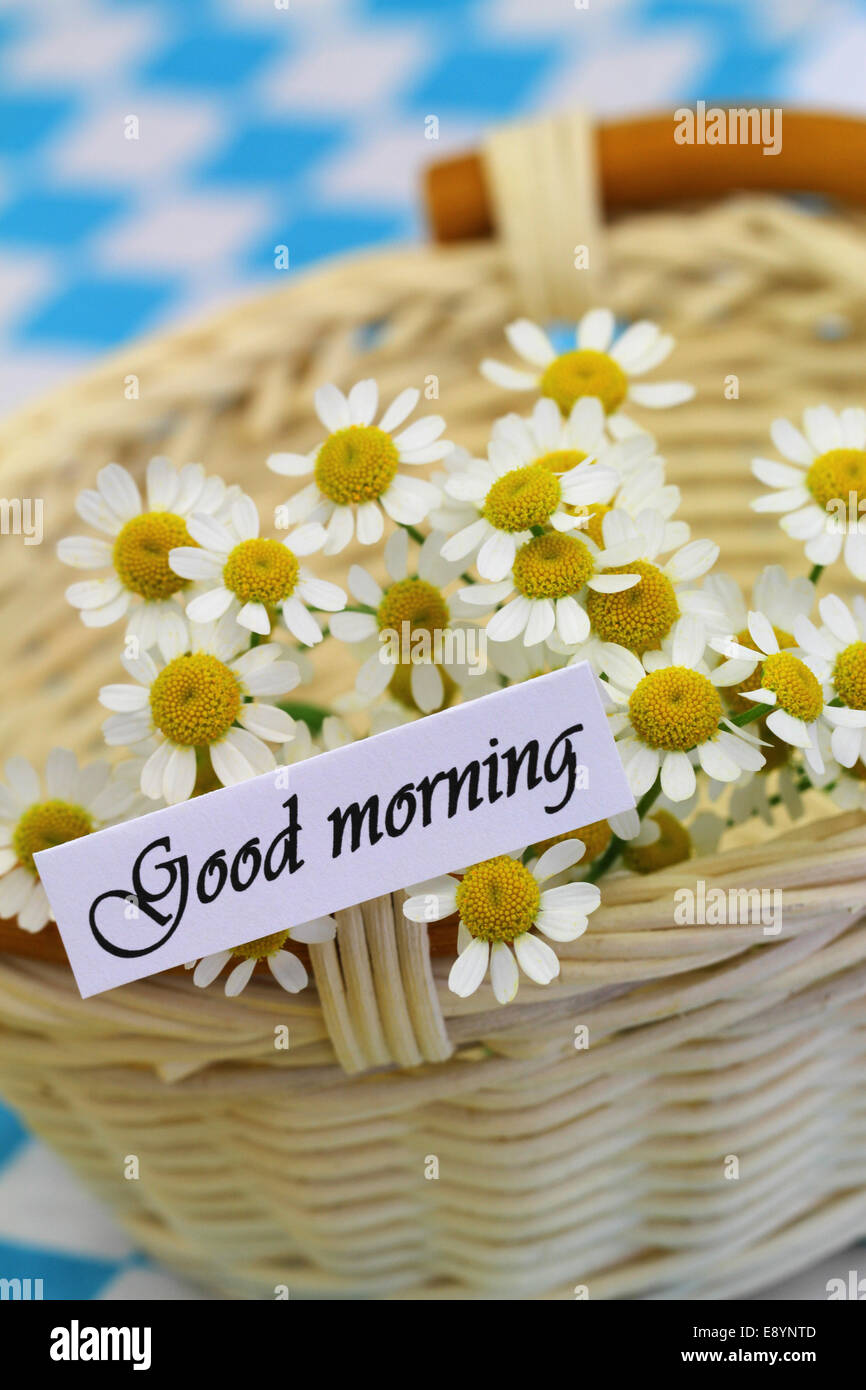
(557, 1167)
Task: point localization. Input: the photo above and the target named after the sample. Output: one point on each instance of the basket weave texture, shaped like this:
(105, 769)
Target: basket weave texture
(557, 1166)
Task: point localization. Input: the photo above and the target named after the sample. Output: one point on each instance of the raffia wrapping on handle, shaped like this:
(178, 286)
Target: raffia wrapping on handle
(557, 1167)
(543, 186)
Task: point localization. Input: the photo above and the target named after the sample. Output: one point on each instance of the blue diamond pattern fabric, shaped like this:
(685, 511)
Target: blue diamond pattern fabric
(152, 156)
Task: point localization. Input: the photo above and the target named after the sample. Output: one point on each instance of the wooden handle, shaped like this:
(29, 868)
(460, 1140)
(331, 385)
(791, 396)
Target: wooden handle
(641, 166)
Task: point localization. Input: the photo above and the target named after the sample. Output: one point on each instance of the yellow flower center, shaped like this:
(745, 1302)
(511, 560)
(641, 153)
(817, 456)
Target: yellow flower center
(498, 899)
(734, 693)
(195, 700)
(46, 824)
(673, 845)
(261, 571)
(675, 709)
(796, 689)
(560, 460)
(357, 464)
(523, 498)
(141, 554)
(595, 837)
(262, 947)
(424, 608)
(640, 617)
(834, 474)
(413, 601)
(585, 372)
(849, 675)
(595, 514)
(552, 566)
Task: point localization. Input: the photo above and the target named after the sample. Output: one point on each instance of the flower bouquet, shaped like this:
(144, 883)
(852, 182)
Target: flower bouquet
(561, 544)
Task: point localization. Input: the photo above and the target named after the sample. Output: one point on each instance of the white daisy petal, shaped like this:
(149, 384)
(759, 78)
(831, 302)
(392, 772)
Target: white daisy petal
(540, 623)
(178, 778)
(300, 622)
(558, 858)
(791, 443)
(364, 402)
(789, 729)
(369, 523)
(316, 931)
(595, 330)
(353, 627)
(84, 552)
(207, 607)
(510, 621)
(469, 969)
(678, 776)
(399, 409)
(536, 959)
(340, 529)
(332, 408)
(291, 465)
(510, 377)
(530, 342)
(239, 977)
(496, 556)
(288, 971)
(255, 618)
(504, 975)
(363, 586)
(659, 394)
(119, 490)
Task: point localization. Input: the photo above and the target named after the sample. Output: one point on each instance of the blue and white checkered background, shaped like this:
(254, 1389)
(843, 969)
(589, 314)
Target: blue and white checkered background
(297, 123)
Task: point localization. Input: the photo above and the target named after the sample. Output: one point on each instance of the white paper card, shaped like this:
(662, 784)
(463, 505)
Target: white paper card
(486, 777)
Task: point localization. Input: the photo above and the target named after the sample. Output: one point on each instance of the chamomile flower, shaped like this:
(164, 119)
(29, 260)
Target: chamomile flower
(202, 696)
(285, 966)
(514, 498)
(670, 717)
(839, 648)
(599, 365)
(825, 471)
(356, 469)
(412, 607)
(783, 600)
(252, 576)
(140, 535)
(561, 443)
(544, 594)
(499, 902)
(666, 839)
(37, 814)
(642, 616)
(794, 685)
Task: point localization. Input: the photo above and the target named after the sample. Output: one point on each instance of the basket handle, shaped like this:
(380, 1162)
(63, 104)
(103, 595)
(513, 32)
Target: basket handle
(640, 166)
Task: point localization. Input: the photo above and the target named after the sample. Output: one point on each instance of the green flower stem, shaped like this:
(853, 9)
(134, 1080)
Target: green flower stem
(815, 574)
(616, 846)
(413, 532)
(312, 715)
(358, 608)
(748, 715)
